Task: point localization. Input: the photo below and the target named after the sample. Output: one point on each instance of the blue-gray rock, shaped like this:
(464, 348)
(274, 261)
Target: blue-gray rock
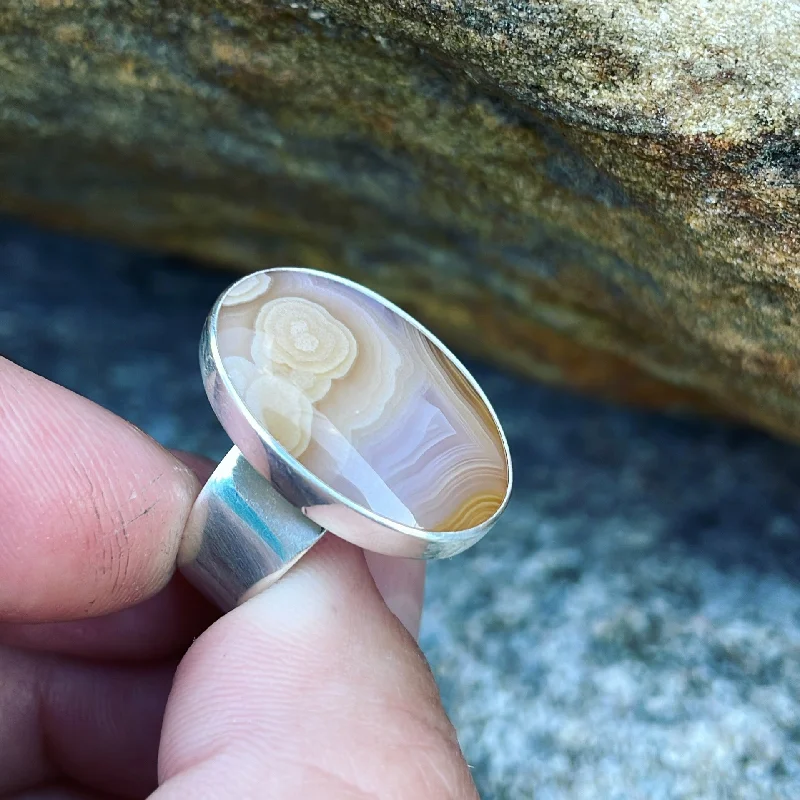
(631, 629)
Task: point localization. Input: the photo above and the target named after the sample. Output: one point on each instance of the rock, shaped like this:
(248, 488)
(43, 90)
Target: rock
(631, 628)
(596, 192)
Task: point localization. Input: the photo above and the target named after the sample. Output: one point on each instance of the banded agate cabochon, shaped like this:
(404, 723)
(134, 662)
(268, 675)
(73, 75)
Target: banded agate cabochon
(363, 399)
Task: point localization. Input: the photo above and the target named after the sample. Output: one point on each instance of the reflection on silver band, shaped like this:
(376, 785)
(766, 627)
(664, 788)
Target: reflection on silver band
(241, 533)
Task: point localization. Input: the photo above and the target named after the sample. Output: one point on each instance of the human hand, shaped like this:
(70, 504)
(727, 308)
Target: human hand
(310, 690)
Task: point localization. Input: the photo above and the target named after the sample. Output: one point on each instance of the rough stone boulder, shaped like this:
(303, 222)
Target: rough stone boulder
(604, 193)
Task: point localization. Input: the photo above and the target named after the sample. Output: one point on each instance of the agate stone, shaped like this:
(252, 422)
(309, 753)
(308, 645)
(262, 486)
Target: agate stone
(363, 398)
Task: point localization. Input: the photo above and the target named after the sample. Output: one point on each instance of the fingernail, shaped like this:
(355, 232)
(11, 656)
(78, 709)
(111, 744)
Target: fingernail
(401, 583)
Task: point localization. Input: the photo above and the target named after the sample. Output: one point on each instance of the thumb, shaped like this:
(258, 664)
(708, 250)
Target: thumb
(311, 689)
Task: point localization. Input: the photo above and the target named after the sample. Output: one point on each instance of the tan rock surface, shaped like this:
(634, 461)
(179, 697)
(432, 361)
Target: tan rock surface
(602, 193)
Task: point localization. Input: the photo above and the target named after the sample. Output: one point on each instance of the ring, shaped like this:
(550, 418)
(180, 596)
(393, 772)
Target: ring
(347, 416)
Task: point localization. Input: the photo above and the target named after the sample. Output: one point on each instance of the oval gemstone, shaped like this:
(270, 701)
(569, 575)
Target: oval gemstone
(363, 399)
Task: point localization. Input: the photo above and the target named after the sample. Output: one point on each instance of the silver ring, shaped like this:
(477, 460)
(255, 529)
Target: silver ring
(346, 416)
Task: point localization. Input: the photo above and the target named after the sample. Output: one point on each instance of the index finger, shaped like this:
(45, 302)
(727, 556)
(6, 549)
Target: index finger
(91, 509)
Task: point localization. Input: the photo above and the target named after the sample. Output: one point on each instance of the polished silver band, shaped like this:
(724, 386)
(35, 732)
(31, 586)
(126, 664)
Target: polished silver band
(242, 534)
(262, 508)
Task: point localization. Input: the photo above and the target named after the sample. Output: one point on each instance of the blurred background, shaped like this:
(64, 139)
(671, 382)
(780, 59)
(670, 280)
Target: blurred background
(631, 629)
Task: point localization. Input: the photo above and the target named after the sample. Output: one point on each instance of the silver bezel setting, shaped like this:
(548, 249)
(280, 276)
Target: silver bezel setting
(303, 488)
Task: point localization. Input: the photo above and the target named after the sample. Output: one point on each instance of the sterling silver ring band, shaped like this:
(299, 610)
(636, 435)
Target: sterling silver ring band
(346, 415)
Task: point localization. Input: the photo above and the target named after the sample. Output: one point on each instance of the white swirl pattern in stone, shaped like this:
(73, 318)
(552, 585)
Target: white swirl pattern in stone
(248, 289)
(363, 399)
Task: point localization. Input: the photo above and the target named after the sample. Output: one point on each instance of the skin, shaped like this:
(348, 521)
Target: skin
(118, 681)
